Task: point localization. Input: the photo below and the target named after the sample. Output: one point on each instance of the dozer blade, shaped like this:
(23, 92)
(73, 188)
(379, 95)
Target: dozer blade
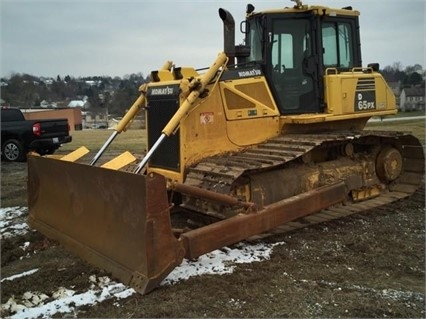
(115, 220)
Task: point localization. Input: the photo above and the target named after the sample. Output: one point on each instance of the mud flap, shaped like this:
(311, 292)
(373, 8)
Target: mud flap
(115, 220)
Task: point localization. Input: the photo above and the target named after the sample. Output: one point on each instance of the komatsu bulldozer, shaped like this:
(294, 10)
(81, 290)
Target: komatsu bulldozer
(268, 139)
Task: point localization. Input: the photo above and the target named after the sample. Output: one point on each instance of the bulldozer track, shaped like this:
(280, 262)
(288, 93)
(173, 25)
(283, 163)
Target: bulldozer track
(220, 172)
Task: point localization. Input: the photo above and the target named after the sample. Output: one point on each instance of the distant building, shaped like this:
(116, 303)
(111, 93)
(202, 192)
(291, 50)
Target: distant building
(396, 89)
(412, 99)
(84, 104)
(47, 81)
(73, 115)
(92, 120)
(50, 105)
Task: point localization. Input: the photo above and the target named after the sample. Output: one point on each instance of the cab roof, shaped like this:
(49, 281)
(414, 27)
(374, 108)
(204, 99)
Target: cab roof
(316, 9)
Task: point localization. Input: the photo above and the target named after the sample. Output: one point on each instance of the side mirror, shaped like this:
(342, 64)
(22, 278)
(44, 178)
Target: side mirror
(374, 66)
(243, 27)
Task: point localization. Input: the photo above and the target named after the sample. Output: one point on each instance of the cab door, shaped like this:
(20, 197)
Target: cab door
(291, 63)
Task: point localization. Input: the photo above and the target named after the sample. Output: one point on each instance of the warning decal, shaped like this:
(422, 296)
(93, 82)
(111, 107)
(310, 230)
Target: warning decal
(206, 117)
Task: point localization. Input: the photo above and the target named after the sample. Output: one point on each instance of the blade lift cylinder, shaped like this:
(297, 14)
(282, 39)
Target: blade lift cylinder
(128, 117)
(198, 85)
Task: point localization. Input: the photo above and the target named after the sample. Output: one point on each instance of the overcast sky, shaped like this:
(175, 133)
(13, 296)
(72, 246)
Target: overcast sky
(115, 38)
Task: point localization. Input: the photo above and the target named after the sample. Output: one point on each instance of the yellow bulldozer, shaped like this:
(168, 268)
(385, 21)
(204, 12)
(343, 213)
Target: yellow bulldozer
(268, 139)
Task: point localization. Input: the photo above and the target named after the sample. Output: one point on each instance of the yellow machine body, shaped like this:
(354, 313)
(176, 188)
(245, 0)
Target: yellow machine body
(242, 112)
(270, 134)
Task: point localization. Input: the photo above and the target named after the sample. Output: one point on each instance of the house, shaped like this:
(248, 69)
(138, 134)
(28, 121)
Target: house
(412, 99)
(50, 105)
(396, 89)
(84, 104)
(95, 120)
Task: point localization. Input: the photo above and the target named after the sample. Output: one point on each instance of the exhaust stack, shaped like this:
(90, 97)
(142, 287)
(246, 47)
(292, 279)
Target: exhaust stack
(228, 34)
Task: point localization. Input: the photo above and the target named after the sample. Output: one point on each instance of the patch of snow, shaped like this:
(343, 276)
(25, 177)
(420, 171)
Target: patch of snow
(32, 299)
(62, 292)
(31, 304)
(10, 213)
(10, 222)
(221, 261)
(25, 246)
(26, 273)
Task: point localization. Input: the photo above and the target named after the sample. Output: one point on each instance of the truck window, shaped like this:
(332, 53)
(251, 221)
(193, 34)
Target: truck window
(10, 115)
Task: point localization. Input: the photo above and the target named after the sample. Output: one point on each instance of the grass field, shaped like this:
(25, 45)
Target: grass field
(416, 127)
(131, 140)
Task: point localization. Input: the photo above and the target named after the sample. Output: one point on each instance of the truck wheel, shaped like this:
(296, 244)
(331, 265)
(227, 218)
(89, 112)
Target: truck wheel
(13, 151)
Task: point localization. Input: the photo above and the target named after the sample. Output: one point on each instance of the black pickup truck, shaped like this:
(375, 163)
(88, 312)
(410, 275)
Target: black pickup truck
(19, 136)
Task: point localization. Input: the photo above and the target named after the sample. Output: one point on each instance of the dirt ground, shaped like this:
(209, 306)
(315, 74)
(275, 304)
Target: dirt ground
(366, 265)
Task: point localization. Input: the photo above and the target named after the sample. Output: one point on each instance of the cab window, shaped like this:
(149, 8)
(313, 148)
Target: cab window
(337, 45)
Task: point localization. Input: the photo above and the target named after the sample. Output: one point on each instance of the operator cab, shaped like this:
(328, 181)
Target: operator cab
(295, 45)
